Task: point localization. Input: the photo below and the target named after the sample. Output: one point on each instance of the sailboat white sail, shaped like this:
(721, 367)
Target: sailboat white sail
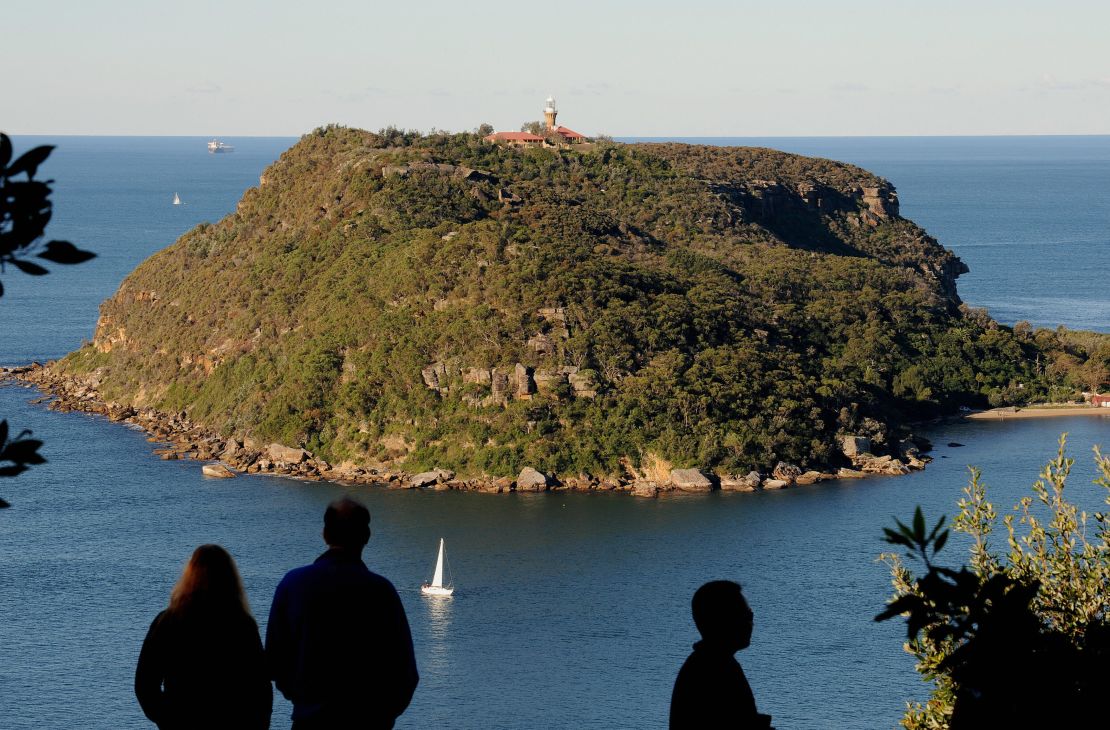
(176, 199)
(436, 587)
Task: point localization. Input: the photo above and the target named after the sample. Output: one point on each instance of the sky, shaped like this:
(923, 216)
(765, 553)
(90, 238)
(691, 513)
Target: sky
(646, 68)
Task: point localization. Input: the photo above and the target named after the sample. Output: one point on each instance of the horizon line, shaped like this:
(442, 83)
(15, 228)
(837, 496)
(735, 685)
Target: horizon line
(615, 137)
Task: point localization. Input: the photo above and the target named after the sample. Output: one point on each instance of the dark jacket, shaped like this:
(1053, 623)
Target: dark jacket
(206, 670)
(339, 646)
(712, 692)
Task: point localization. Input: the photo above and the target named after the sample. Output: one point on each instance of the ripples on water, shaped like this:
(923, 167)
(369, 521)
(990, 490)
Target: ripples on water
(571, 610)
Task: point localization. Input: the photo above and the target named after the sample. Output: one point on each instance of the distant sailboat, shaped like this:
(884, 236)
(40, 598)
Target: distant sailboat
(436, 587)
(176, 199)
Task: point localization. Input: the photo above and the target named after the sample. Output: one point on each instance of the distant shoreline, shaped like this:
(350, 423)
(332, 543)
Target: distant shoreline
(1002, 414)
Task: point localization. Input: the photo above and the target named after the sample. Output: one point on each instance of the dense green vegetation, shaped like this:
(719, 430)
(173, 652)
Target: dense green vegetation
(1019, 638)
(733, 307)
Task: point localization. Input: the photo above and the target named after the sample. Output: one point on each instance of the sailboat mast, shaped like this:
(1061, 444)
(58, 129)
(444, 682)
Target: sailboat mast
(437, 579)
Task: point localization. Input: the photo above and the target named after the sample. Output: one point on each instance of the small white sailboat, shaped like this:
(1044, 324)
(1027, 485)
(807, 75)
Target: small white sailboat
(176, 199)
(436, 587)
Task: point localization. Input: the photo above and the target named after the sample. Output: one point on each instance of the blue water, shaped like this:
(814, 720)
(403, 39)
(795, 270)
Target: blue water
(113, 196)
(571, 611)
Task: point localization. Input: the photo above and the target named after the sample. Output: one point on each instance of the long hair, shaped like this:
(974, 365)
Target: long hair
(209, 581)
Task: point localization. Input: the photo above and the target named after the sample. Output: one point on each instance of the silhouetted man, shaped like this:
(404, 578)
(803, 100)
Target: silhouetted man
(338, 641)
(711, 690)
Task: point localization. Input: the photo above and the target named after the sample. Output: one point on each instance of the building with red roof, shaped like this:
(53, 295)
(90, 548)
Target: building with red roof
(556, 135)
(569, 135)
(519, 139)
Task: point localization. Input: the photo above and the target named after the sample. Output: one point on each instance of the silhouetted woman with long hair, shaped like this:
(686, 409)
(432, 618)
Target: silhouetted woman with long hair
(202, 664)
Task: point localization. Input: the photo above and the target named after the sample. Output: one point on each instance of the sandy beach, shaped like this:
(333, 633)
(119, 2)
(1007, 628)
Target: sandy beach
(1038, 412)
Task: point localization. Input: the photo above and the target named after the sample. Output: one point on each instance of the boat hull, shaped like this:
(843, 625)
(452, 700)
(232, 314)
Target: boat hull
(430, 590)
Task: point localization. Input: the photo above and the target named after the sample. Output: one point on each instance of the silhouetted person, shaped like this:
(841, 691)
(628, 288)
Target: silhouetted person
(202, 665)
(338, 640)
(711, 690)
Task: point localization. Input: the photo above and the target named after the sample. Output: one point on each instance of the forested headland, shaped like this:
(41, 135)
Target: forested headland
(412, 301)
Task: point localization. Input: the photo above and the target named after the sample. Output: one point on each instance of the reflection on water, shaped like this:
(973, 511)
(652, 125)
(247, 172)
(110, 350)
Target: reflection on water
(436, 651)
(438, 612)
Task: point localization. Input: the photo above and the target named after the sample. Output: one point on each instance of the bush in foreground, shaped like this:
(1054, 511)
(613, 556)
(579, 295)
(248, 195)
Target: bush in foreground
(1020, 639)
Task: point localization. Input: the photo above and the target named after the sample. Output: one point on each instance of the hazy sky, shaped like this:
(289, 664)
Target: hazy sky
(696, 67)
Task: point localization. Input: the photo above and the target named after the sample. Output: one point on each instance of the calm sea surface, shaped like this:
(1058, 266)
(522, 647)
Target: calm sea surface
(571, 610)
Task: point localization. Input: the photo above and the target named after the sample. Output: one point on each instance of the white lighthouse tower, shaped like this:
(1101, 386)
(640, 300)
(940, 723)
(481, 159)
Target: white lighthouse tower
(549, 112)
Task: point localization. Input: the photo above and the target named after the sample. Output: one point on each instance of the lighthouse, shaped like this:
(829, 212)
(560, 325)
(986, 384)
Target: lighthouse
(549, 113)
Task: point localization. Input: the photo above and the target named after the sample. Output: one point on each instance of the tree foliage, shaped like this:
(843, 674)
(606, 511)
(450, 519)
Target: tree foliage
(1020, 639)
(25, 209)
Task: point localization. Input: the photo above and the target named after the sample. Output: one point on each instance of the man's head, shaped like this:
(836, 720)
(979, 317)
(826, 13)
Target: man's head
(346, 524)
(722, 615)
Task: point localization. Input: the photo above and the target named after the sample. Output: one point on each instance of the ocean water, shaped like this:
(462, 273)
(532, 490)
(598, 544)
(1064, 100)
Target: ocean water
(571, 611)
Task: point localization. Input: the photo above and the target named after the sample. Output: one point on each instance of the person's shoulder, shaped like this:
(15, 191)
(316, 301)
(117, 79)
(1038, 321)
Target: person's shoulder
(159, 621)
(302, 570)
(296, 576)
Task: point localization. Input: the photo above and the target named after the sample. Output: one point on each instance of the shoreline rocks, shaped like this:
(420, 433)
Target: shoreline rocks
(217, 471)
(177, 437)
(690, 480)
(531, 480)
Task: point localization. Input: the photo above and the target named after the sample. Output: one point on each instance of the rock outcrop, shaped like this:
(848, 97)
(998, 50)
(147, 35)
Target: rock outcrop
(531, 480)
(286, 454)
(217, 471)
(746, 483)
(690, 480)
(430, 478)
(854, 445)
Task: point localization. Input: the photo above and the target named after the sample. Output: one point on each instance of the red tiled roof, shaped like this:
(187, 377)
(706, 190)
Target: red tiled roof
(569, 132)
(514, 137)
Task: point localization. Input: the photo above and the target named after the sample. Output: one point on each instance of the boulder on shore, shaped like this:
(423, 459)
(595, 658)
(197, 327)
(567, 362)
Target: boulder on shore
(495, 486)
(286, 454)
(747, 483)
(775, 484)
(788, 473)
(690, 480)
(426, 478)
(885, 464)
(217, 471)
(854, 445)
(645, 488)
(531, 480)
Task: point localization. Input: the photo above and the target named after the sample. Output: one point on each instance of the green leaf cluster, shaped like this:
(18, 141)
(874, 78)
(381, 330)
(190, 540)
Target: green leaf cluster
(1020, 639)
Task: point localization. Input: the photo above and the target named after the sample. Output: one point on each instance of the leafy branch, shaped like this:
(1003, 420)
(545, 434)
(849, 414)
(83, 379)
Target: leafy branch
(1030, 625)
(25, 209)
